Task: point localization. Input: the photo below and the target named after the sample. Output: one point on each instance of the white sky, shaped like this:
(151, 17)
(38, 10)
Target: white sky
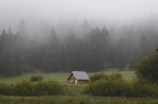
(12, 11)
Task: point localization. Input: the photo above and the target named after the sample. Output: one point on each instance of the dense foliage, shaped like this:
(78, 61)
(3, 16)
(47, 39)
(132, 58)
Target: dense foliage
(115, 85)
(36, 78)
(147, 68)
(27, 88)
(83, 47)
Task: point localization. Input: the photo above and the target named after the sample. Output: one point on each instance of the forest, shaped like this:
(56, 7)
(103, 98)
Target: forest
(76, 46)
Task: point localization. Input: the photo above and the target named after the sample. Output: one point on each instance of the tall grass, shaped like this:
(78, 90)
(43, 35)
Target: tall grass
(78, 99)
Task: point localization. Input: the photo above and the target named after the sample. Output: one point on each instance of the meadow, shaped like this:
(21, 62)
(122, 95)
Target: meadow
(78, 99)
(62, 76)
(74, 96)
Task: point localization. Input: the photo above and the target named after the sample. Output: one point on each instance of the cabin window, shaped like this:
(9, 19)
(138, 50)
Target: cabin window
(81, 82)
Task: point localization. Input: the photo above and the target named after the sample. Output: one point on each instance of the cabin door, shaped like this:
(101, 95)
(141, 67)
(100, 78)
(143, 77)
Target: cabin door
(75, 81)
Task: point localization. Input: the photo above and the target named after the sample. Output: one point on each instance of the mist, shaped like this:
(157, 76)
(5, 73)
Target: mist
(57, 35)
(54, 11)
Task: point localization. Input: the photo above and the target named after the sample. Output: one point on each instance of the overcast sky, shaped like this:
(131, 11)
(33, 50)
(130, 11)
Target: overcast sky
(11, 11)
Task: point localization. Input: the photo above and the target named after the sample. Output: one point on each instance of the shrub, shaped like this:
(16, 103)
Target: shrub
(36, 78)
(147, 68)
(48, 87)
(142, 88)
(40, 88)
(97, 76)
(23, 88)
(27, 88)
(54, 87)
(115, 85)
(107, 85)
(5, 89)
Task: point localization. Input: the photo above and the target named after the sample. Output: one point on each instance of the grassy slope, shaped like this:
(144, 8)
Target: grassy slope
(60, 76)
(80, 99)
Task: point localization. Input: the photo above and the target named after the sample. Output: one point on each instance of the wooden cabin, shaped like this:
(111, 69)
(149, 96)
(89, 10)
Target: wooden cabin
(78, 77)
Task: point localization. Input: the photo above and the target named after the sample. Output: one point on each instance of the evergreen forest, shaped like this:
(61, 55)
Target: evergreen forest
(83, 46)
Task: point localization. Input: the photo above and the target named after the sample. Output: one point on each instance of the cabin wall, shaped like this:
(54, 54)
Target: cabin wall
(72, 79)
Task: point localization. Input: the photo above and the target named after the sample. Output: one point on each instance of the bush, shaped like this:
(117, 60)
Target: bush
(40, 88)
(27, 88)
(142, 88)
(107, 85)
(36, 78)
(23, 88)
(115, 85)
(54, 87)
(97, 76)
(147, 68)
(5, 89)
(48, 87)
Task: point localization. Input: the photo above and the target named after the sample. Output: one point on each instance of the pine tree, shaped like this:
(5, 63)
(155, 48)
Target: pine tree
(20, 44)
(52, 53)
(135, 56)
(143, 45)
(2, 39)
(7, 58)
(121, 60)
(132, 63)
(96, 49)
(71, 51)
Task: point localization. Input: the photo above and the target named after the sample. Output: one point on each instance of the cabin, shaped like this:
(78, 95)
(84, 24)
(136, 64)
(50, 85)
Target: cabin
(78, 77)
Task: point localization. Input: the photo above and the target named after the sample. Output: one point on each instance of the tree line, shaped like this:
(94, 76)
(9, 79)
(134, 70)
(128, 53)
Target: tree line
(81, 48)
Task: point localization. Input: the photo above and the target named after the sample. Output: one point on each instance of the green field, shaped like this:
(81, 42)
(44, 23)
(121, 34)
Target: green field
(78, 99)
(73, 96)
(61, 76)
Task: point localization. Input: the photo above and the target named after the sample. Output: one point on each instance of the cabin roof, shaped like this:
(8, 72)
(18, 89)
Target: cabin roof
(80, 75)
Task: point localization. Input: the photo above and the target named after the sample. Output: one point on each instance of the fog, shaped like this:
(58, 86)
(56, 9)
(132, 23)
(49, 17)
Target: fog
(67, 35)
(55, 11)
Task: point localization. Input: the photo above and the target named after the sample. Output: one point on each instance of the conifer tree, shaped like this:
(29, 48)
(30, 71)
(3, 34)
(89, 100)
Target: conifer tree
(143, 45)
(20, 46)
(2, 39)
(52, 53)
(96, 49)
(121, 60)
(71, 51)
(7, 58)
(135, 56)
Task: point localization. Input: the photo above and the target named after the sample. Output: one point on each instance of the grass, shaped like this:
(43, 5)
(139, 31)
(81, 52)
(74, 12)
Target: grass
(80, 99)
(127, 74)
(73, 95)
(61, 76)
